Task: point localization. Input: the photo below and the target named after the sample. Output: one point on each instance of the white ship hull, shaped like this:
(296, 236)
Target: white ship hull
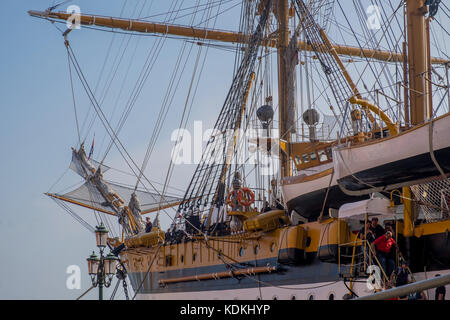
(397, 161)
(312, 291)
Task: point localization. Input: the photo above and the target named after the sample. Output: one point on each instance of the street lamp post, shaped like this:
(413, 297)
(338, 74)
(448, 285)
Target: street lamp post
(101, 269)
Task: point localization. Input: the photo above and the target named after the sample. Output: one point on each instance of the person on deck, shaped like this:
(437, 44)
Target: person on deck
(148, 225)
(279, 206)
(401, 277)
(366, 234)
(266, 207)
(376, 229)
(440, 291)
(382, 247)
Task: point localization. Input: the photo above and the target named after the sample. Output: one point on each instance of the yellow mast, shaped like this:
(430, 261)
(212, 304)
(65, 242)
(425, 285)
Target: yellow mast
(419, 92)
(417, 60)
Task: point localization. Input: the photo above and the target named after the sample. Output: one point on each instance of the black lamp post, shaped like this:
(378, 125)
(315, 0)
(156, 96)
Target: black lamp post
(101, 269)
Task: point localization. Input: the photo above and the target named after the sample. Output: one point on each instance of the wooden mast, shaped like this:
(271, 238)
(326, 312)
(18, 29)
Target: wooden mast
(419, 92)
(417, 61)
(282, 16)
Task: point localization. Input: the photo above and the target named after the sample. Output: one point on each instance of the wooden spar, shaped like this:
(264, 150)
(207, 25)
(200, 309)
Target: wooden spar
(219, 275)
(347, 76)
(169, 205)
(211, 34)
(52, 195)
(357, 98)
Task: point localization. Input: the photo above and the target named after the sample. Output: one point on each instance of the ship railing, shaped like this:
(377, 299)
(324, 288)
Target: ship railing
(362, 259)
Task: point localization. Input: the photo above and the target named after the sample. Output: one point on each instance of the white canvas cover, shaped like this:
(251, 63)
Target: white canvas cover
(80, 161)
(371, 207)
(88, 194)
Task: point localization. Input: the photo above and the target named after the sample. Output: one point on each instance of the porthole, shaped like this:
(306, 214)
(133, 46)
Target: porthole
(331, 296)
(241, 251)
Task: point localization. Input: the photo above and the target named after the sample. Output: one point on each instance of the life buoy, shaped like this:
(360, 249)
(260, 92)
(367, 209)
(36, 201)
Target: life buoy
(250, 194)
(240, 197)
(229, 202)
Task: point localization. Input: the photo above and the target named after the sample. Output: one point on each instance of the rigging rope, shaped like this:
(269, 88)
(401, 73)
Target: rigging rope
(73, 98)
(203, 189)
(85, 293)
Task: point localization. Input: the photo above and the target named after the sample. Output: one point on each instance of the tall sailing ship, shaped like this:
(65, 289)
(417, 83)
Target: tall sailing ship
(274, 207)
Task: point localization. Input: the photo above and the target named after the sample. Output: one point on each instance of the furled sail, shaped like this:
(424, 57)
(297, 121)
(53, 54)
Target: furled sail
(89, 196)
(98, 194)
(81, 164)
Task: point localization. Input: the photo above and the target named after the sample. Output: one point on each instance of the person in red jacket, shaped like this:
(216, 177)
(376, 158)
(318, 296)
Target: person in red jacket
(382, 247)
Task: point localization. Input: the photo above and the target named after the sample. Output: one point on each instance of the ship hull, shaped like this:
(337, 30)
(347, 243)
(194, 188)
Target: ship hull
(308, 291)
(396, 161)
(317, 279)
(321, 291)
(310, 278)
(310, 205)
(307, 197)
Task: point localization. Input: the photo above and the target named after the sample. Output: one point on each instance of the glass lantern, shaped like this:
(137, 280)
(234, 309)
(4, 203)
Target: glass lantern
(111, 262)
(93, 264)
(101, 236)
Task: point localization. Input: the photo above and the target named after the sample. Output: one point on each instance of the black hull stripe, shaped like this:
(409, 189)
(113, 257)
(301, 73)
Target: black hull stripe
(399, 172)
(309, 205)
(286, 275)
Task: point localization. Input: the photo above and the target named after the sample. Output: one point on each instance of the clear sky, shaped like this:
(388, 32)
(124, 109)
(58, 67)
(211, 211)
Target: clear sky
(39, 240)
(38, 129)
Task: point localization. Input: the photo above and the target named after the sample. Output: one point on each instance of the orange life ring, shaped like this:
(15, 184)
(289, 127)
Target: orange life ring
(246, 203)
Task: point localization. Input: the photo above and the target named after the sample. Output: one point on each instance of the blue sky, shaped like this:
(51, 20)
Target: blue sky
(38, 129)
